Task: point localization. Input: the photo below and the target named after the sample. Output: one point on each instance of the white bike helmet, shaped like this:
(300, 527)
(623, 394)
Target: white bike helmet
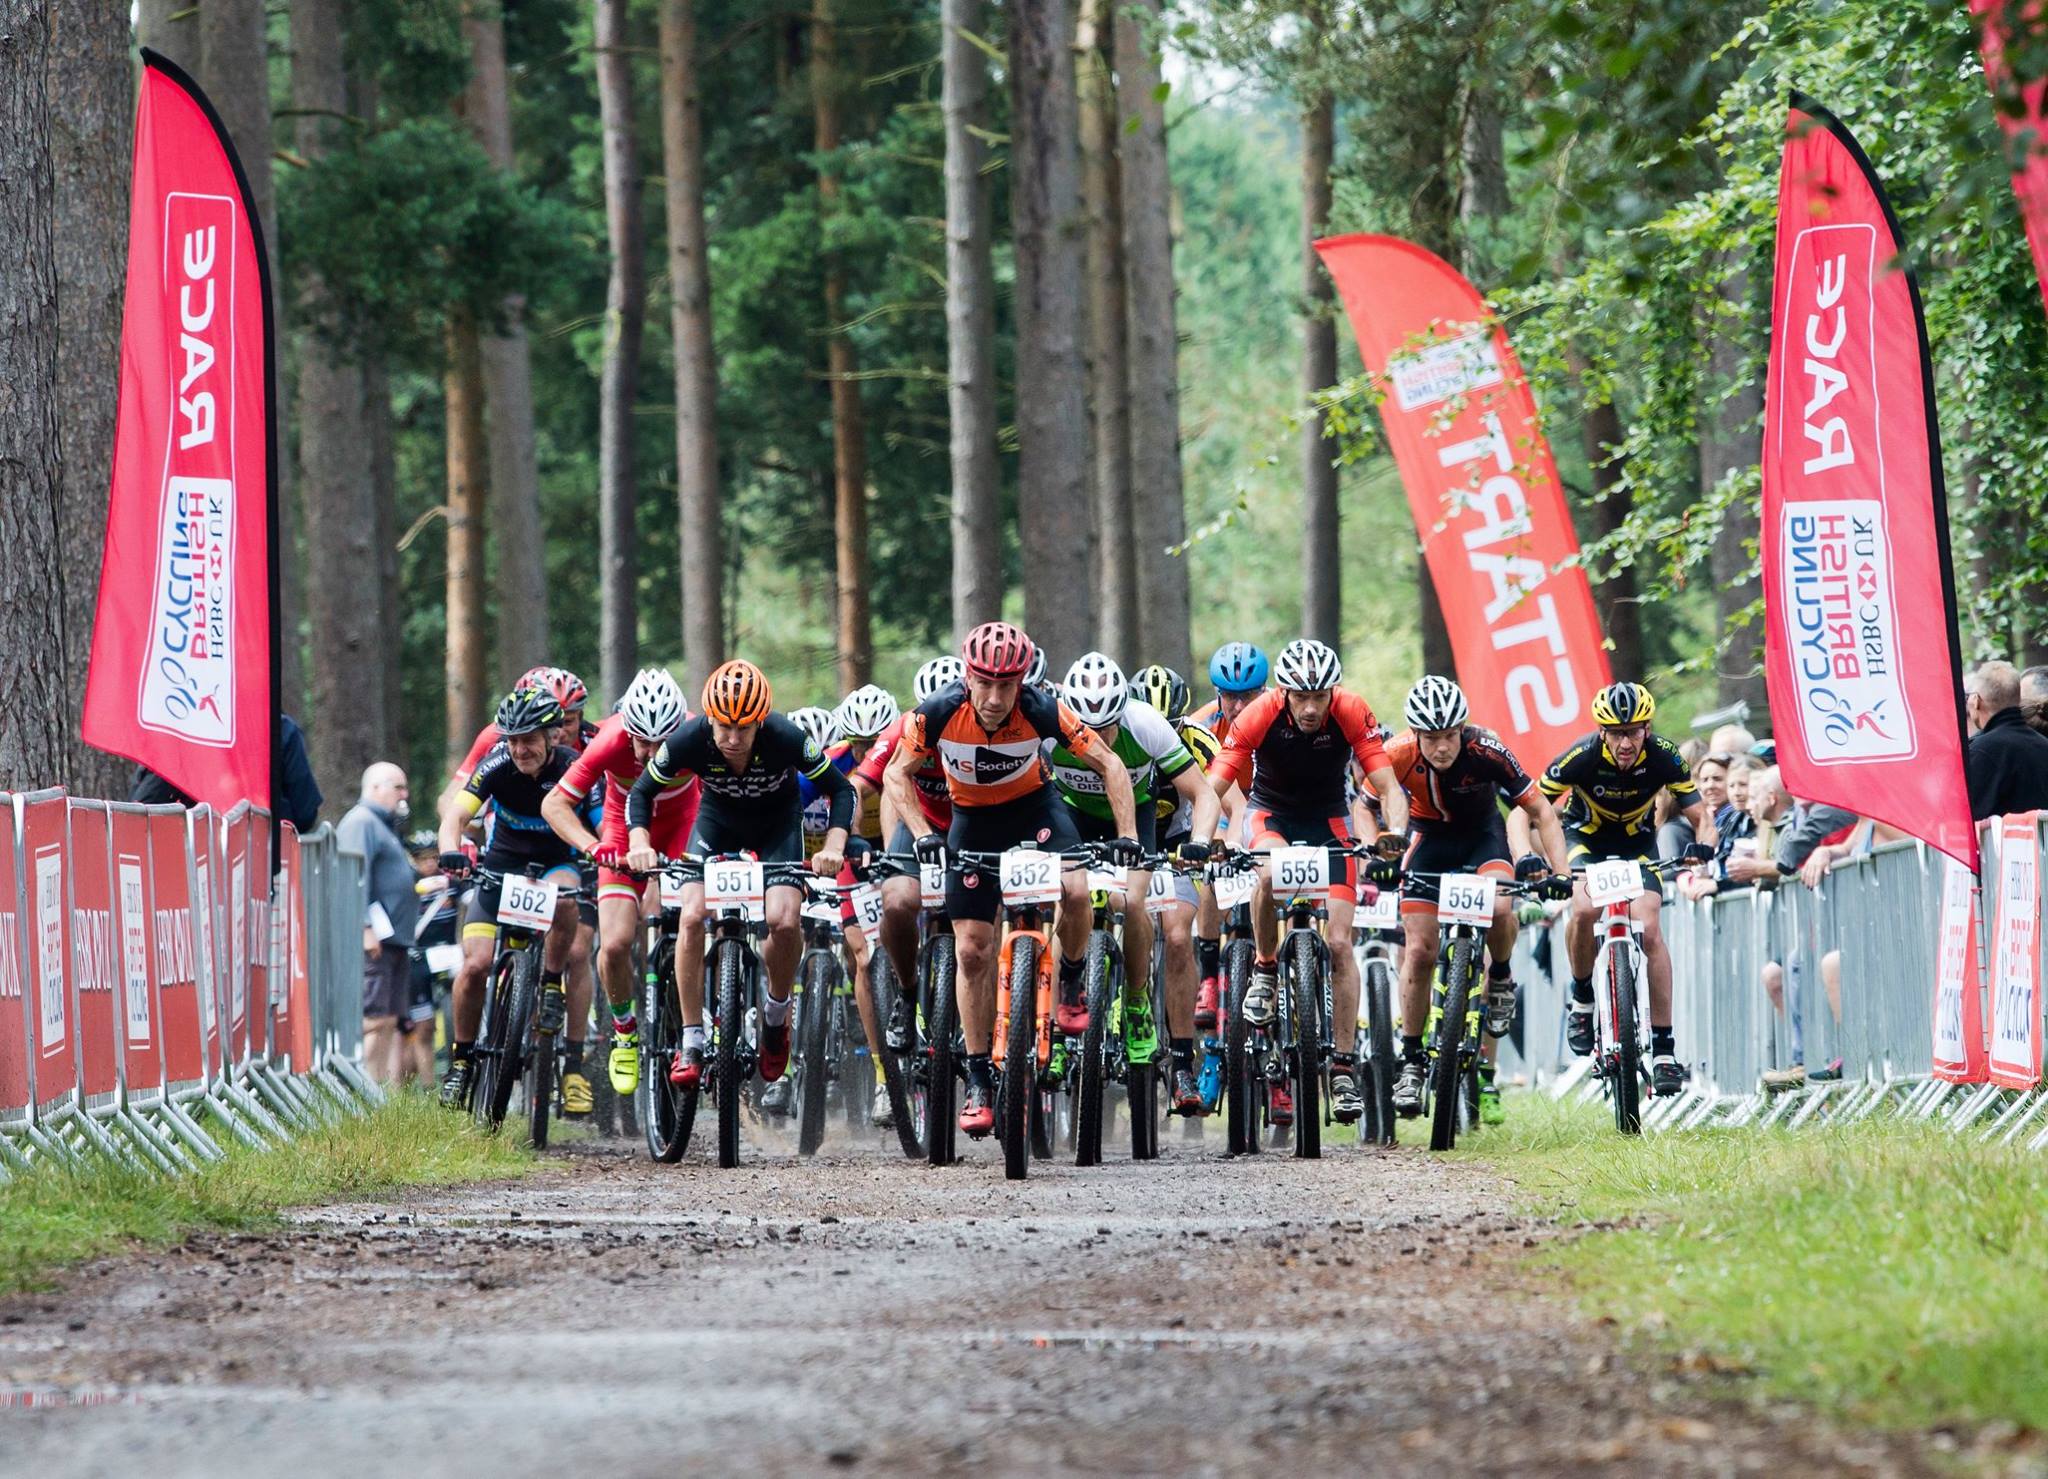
(1306, 665)
(1096, 689)
(936, 674)
(817, 723)
(652, 705)
(1035, 674)
(865, 712)
(1435, 703)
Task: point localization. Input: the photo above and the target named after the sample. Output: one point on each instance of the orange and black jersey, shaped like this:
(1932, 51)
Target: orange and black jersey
(1468, 795)
(767, 786)
(1293, 772)
(988, 767)
(1606, 798)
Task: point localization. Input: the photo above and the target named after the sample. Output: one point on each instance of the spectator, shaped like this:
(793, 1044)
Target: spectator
(1710, 775)
(1731, 739)
(1734, 829)
(2005, 762)
(295, 791)
(390, 912)
(2034, 699)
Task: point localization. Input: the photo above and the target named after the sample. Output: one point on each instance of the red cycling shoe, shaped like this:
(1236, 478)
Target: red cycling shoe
(774, 1050)
(1205, 1002)
(977, 1115)
(687, 1070)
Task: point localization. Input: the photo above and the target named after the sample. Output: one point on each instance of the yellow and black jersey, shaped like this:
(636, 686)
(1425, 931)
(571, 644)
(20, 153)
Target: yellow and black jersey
(1606, 798)
(1204, 747)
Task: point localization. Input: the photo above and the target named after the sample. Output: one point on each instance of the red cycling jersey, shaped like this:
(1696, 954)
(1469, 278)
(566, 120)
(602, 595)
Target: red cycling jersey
(607, 760)
(1466, 796)
(933, 799)
(1294, 772)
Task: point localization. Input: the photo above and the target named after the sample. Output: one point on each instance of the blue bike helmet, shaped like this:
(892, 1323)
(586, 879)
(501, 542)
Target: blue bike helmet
(1238, 667)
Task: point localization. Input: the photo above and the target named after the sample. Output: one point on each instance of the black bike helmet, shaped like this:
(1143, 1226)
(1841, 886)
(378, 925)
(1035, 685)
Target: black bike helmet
(525, 710)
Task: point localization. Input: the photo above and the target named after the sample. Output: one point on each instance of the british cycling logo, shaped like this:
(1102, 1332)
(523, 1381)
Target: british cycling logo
(1841, 631)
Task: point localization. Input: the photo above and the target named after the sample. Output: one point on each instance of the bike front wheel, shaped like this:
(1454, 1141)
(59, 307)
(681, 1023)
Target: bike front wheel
(1627, 1085)
(1381, 1065)
(814, 1019)
(1446, 1092)
(732, 1015)
(1020, 1060)
(666, 1112)
(1309, 970)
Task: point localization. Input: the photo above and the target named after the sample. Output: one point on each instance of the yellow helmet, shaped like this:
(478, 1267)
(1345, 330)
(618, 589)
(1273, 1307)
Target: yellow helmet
(1623, 703)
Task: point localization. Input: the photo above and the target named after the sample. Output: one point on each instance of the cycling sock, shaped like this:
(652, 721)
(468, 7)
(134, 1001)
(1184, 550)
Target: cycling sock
(624, 1026)
(622, 1012)
(1485, 1072)
(572, 1056)
(1500, 970)
(1182, 1050)
(978, 1069)
(1344, 1061)
(461, 1051)
(1411, 1049)
(1210, 954)
(549, 978)
(1271, 967)
(1663, 1042)
(693, 1036)
(1070, 970)
(1582, 991)
(775, 1012)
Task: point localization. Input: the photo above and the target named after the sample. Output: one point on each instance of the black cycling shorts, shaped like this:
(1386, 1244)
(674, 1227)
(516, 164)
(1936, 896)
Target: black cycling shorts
(1598, 845)
(1039, 820)
(773, 837)
(1481, 849)
(481, 913)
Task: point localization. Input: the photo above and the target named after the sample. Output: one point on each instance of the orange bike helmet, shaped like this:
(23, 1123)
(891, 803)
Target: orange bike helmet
(737, 693)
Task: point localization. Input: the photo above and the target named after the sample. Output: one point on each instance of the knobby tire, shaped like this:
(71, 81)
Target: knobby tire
(896, 1070)
(1020, 1061)
(941, 1019)
(815, 1007)
(522, 988)
(1447, 1093)
(1382, 1063)
(1309, 969)
(1628, 1079)
(668, 1113)
(1240, 1090)
(1098, 971)
(732, 1016)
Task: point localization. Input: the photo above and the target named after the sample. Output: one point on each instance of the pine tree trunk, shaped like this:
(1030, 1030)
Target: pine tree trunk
(171, 29)
(625, 324)
(977, 521)
(1730, 437)
(1052, 418)
(1614, 595)
(235, 71)
(36, 725)
(468, 678)
(348, 727)
(522, 616)
(384, 493)
(92, 102)
(1322, 569)
(1109, 385)
(701, 557)
(1159, 512)
(855, 639)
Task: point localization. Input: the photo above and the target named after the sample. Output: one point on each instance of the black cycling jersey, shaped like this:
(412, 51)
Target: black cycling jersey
(766, 788)
(518, 833)
(1607, 799)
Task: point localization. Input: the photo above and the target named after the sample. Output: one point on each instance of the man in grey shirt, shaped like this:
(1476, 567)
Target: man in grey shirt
(390, 910)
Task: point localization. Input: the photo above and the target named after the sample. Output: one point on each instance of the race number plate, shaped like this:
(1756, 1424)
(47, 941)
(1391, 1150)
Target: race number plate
(1234, 888)
(867, 907)
(1105, 880)
(931, 884)
(1301, 872)
(1383, 913)
(444, 960)
(1466, 898)
(528, 903)
(1159, 892)
(671, 890)
(733, 885)
(1030, 876)
(1613, 881)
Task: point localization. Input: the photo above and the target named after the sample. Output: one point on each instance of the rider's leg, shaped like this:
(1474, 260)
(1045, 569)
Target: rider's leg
(479, 944)
(1178, 923)
(1343, 977)
(784, 946)
(1647, 911)
(578, 980)
(899, 926)
(690, 956)
(974, 943)
(1580, 942)
(560, 942)
(1501, 934)
(1137, 931)
(862, 956)
(1265, 921)
(1418, 967)
(1077, 917)
(618, 925)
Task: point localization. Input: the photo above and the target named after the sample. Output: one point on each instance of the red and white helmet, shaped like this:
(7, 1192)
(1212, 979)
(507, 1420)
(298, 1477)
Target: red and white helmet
(567, 688)
(996, 649)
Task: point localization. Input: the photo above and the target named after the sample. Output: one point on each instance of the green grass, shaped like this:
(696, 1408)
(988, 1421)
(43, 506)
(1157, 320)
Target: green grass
(1887, 1271)
(55, 1216)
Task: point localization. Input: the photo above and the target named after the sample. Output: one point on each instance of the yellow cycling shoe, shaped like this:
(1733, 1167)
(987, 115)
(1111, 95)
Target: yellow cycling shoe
(624, 1065)
(576, 1099)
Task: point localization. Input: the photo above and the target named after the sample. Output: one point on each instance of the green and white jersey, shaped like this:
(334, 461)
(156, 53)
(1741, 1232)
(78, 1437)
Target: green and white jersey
(1149, 748)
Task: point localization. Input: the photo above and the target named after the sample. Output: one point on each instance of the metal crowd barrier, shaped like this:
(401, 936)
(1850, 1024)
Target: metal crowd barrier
(1856, 957)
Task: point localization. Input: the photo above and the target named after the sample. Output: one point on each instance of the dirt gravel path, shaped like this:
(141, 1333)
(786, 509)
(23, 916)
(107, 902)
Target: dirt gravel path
(1194, 1315)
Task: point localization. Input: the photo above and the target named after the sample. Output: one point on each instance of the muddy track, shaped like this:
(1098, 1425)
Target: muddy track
(1194, 1315)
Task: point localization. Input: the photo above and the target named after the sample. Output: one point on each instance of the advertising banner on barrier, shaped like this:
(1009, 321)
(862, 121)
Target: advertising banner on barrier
(256, 885)
(176, 951)
(1959, 1050)
(1860, 637)
(234, 842)
(48, 928)
(202, 830)
(184, 654)
(1483, 488)
(2016, 956)
(142, 1064)
(92, 951)
(2020, 115)
(300, 995)
(14, 997)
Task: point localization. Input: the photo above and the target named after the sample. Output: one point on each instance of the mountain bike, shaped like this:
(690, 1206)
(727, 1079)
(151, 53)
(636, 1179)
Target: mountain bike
(1376, 936)
(823, 999)
(1121, 1043)
(523, 1023)
(924, 1038)
(667, 1111)
(1621, 1052)
(896, 1066)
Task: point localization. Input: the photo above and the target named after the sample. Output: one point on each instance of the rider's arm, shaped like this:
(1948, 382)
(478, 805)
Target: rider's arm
(561, 807)
(1363, 731)
(831, 780)
(1532, 811)
(1116, 779)
(1203, 798)
(898, 789)
(664, 772)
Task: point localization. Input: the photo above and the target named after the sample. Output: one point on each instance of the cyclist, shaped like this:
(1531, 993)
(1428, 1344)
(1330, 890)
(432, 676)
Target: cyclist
(1238, 672)
(512, 781)
(1604, 788)
(900, 897)
(1293, 745)
(747, 758)
(862, 717)
(650, 710)
(1456, 775)
(1152, 753)
(987, 731)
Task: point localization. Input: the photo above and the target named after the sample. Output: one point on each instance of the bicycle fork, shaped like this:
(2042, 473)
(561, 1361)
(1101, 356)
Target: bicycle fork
(1044, 993)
